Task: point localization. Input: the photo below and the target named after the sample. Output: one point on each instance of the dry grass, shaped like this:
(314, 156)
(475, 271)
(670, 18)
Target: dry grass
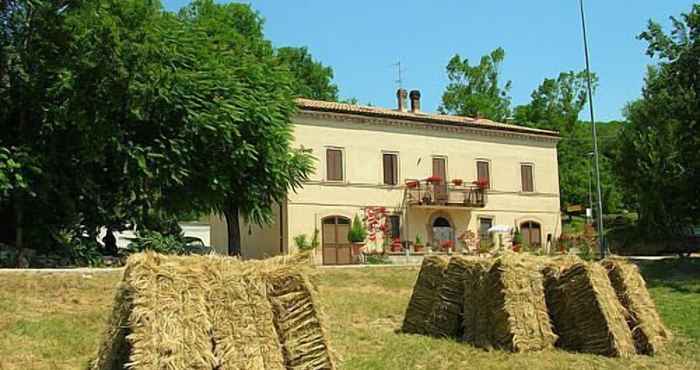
(55, 321)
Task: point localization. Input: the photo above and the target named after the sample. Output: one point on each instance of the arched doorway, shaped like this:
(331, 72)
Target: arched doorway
(337, 249)
(531, 232)
(442, 230)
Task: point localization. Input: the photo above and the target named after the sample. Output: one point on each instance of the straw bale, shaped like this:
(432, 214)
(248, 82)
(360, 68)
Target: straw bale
(298, 322)
(447, 316)
(513, 303)
(585, 311)
(424, 295)
(475, 315)
(196, 312)
(648, 331)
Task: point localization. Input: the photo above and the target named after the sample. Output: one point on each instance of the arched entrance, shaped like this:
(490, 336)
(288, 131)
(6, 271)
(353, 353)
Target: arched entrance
(442, 230)
(337, 249)
(531, 232)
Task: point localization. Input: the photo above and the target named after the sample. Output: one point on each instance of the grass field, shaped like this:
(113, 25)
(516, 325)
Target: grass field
(54, 321)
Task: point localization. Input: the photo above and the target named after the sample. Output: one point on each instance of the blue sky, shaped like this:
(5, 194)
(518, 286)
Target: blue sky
(362, 39)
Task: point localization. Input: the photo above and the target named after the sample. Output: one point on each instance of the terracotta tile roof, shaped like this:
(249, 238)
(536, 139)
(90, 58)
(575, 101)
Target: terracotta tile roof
(333, 107)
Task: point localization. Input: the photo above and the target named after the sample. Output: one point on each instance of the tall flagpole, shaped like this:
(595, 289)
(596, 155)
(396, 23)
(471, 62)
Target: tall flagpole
(599, 201)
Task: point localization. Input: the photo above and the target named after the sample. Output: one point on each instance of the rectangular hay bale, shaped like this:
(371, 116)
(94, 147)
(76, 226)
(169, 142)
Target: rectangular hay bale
(199, 312)
(648, 331)
(474, 315)
(298, 322)
(513, 301)
(424, 296)
(586, 313)
(447, 316)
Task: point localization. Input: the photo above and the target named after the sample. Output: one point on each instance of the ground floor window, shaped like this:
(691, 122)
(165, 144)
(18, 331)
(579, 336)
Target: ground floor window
(395, 226)
(485, 223)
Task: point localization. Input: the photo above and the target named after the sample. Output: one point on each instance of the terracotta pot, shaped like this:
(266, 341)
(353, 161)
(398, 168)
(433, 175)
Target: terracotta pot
(457, 182)
(418, 248)
(357, 248)
(396, 247)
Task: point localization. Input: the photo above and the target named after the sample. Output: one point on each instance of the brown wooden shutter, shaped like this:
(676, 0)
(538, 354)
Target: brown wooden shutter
(390, 169)
(334, 165)
(526, 177)
(482, 172)
(439, 168)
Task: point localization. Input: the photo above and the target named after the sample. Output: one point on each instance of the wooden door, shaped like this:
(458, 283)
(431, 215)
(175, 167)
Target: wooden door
(531, 233)
(337, 249)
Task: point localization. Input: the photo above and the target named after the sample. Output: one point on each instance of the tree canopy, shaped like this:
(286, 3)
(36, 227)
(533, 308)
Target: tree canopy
(661, 141)
(556, 105)
(312, 79)
(476, 90)
(141, 111)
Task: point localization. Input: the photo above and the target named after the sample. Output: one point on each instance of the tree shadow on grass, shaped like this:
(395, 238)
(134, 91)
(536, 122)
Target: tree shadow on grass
(681, 275)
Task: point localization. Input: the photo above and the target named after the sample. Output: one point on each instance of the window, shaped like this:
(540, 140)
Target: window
(484, 225)
(334, 165)
(526, 178)
(391, 168)
(440, 168)
(395, 226)
(483, 173)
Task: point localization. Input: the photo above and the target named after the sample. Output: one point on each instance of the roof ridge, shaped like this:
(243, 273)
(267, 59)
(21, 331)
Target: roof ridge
(346, 108)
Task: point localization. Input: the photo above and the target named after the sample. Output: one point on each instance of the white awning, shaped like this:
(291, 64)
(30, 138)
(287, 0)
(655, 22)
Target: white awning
(500, 229)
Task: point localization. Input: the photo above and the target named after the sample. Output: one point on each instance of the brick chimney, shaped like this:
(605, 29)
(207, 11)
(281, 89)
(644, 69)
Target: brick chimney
(401, 95)
(415, 101)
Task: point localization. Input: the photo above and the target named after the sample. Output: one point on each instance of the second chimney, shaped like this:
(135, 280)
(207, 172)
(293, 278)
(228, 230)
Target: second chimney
(401, 95)
(415, 101)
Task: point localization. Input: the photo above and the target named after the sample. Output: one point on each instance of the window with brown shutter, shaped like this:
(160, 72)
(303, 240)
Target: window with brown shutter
(439, 168)
(483, 173)
(526, 178)
(391, 168)
(334, 165)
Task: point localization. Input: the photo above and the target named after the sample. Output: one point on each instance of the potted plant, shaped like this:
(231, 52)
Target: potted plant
(418, 246)
(412, 184)
(434, 179)
(517, 241)
(446, 246)
(457, 182)
(481, 184)
(396, 245)
(357, 235)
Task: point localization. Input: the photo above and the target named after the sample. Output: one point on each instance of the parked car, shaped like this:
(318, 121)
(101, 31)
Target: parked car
(689, 244)
(195, 245)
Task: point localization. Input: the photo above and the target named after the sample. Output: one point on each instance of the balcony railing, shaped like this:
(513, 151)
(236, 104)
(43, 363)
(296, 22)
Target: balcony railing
(432, 193)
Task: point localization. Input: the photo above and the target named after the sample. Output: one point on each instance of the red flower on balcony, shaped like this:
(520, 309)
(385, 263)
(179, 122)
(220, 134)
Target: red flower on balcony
(481, 184)
(434, 179)
(412, 184)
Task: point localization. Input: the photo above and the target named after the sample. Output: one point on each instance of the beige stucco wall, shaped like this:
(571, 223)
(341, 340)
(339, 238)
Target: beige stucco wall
(363, 145)
(257, 242)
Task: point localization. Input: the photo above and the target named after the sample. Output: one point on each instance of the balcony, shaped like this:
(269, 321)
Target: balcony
(432, 193)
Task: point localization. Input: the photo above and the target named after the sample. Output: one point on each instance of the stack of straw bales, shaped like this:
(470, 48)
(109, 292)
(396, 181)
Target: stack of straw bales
(525, 303)
(206, 312)
(586, 312)
(425, 296)
(649, 333)
(512, 300)
(446, 318)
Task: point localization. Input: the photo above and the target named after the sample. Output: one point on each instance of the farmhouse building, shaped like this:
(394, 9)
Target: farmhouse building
(412, 177)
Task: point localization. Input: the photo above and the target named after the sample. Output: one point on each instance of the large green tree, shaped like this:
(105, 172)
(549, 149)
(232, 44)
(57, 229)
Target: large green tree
(312, 79)
(660, 163)
(115, 110)
(476, 90)
(556, 105)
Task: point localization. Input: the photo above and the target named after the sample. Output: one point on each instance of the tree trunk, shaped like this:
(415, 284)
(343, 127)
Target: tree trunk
(234, 230)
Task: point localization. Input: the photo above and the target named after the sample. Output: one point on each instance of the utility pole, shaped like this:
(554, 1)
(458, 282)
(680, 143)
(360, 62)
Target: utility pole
(599, 219)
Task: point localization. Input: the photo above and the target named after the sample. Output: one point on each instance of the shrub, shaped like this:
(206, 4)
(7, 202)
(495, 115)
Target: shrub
(358, 232)
(377, 259)
(148, 240)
